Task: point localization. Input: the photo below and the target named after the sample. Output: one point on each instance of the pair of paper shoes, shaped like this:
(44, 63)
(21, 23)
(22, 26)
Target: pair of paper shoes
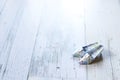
(89, 53)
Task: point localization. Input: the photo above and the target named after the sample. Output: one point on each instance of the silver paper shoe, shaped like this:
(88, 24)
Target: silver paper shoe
(89, 53)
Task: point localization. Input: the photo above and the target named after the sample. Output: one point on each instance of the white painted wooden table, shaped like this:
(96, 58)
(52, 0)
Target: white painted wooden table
(38, 38)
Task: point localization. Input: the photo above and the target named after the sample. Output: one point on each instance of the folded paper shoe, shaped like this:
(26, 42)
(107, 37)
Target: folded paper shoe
(89, 53)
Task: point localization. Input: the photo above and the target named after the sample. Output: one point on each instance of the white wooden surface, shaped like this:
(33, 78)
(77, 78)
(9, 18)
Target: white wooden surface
(38, 38)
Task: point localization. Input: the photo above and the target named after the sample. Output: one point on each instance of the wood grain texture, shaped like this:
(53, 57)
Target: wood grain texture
(38, 38)
(102, 21)
(55, 45)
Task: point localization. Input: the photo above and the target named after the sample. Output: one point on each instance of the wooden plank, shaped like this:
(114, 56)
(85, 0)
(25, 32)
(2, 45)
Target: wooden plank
(113, 39)
(7, 18)
(61, 33)
(44, 37)
(8, 33)
(5, 52)
(102, 21)
(21, 50)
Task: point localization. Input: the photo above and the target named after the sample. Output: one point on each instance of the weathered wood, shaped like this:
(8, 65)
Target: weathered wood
(8, 15)
(17, 56)
(8, 28)
(102, 21)
(38, 38)
(57, 40)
